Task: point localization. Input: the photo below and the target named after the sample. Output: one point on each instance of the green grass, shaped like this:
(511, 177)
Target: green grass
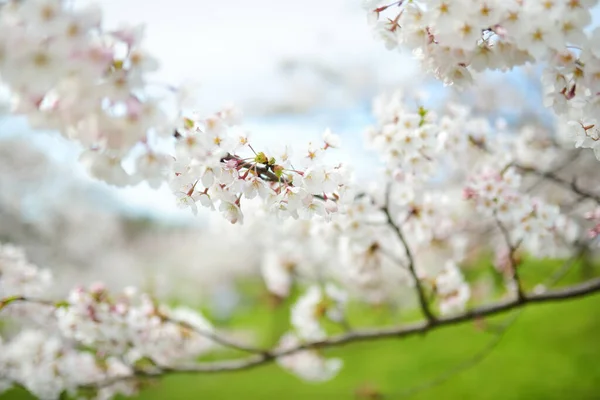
(552, 351)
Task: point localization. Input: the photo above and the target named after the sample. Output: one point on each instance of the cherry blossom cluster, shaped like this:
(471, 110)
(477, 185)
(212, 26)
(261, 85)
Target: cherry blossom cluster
(362, 253)
(93, 336)
(371, 272)
(132, 326)
(39, 358)
(594, 217)
(349, 250)
(67, 73)
(346, 249)
(96, 339)
(407, 139)
(456, 38)
(47, 366)
(18, 277)
(416, 143)
(316, 303)
(539, 226)
(216, 167)
(305, 248)
(307, 364)
(453, 291)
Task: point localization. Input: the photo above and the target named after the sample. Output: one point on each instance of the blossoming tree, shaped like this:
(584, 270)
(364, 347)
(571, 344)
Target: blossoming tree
(453, 182)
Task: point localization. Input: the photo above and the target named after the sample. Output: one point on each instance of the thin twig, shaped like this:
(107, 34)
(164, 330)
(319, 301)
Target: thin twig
(23, 299)
(571, 185)
(411, 262)
(216, 338)
(512, 249)
(393, 258)
(5, 302)
(566, 267)
(568, 162)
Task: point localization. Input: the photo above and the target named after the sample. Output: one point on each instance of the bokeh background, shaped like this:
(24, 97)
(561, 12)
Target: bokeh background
(294, 68)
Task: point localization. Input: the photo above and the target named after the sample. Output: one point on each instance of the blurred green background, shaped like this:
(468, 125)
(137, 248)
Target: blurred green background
(550, 351)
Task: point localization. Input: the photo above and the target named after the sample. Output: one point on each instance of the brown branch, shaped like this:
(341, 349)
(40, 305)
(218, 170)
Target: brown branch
(23, 299)
(411, 262)
(216, 338)
(512, 249)
(550, 176)
(487, 350)
(559, 168)
(392, 258)
(571, 292)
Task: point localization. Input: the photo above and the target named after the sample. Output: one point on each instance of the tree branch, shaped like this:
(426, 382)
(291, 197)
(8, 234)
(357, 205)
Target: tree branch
(411, 262)
(216, 338)
(512, 249)
(559, 168)
(560, 181)
(487, 350)
(201, 332)
(22, 299)
(571, 292)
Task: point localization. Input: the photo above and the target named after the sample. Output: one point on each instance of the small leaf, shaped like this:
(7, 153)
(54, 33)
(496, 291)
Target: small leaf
(61, 304)
(188, 123)
(278, 170)
(144, 363)
(8, 300)
(261, 158)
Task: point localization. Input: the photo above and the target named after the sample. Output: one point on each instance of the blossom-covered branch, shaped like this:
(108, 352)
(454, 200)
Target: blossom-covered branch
(133, 337)
(575, 291)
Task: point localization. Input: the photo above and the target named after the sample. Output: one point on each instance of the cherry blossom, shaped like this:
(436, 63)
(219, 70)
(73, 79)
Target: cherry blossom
(449, 179)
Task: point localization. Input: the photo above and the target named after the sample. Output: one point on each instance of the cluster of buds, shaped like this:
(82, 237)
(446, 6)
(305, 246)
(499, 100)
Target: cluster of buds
(594, 217)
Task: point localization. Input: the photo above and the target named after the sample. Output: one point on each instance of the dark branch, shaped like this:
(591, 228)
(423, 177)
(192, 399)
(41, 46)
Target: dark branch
(23, 299)
(559, 168)
(263, 172)
(571, 185)
(256, 360)
(512, 249)
(216, 338)
(583, 289)
(411, 262)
